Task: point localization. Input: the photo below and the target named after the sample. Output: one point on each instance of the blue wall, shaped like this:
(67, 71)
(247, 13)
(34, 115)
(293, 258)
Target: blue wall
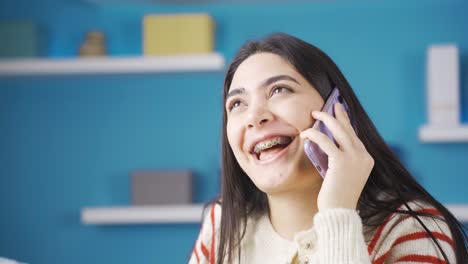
(70, 142)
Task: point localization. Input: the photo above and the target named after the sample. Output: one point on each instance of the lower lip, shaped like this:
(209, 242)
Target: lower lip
(274, 158)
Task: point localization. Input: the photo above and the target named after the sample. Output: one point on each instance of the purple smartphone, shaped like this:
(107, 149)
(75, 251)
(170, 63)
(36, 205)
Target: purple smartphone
(312, 150)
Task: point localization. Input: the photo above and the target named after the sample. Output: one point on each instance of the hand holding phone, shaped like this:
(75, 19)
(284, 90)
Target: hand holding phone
(319, 158)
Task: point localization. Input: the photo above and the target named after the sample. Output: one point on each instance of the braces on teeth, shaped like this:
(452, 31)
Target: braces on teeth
(270, 143)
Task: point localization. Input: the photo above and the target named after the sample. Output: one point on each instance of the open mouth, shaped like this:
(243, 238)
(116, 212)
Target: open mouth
(270, 148)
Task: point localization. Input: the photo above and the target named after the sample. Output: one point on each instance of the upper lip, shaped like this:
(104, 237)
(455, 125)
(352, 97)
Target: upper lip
(265, 137)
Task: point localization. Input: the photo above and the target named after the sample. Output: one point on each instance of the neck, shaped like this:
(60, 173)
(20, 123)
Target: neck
(293, 211)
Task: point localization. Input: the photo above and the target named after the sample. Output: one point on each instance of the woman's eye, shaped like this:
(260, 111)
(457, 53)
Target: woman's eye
(234, 104)
(280, 89)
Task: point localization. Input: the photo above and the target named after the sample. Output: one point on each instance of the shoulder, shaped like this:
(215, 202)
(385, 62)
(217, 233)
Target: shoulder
(206, 245)
(403, 237)
(211, 221)
(204, 250)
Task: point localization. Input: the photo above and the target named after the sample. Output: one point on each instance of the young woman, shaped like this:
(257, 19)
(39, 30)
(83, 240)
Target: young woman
(274, 206)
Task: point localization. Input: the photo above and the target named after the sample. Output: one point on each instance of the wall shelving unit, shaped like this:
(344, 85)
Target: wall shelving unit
(113, 65)
(444, 134)
(142, 214)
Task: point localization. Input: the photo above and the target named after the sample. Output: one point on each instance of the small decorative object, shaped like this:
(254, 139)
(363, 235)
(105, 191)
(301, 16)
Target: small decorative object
(93, 45)
(443, 86)
(161, 187)
(443, 96)
(173, 34)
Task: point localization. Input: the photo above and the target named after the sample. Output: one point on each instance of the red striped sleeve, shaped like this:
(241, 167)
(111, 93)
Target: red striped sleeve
(421, 259)
(377, 234)
(379, 231)
(410, 237)
(205, 251)
(212, 255)
(419, 235)
(432, 211)
(195, 252)
(381, 259)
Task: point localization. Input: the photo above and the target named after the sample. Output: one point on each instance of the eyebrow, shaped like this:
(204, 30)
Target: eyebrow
(265, 83)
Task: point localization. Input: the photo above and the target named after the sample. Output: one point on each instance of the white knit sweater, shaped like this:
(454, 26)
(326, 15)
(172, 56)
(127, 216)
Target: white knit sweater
(336, 237)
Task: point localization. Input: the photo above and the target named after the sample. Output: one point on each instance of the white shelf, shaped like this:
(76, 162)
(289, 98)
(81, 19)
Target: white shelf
(460, 211)
(142, 214)
(429, 133)
(113, 65)
(179, 214)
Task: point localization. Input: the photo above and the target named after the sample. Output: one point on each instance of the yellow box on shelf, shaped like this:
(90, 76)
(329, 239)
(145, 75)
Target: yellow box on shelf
(170, 34)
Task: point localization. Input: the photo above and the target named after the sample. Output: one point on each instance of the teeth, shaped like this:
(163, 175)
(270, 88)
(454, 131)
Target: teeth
(270, 143)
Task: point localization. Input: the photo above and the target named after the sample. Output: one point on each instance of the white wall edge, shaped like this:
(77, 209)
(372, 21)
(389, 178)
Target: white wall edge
(428, 133)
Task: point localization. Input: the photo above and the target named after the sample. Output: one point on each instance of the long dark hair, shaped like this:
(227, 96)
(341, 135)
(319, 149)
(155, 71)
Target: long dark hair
(389, 186)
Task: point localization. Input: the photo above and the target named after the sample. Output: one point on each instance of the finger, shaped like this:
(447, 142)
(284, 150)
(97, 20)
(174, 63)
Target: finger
(322, 140)
(340, 113)
(339, 133)
(343, 118)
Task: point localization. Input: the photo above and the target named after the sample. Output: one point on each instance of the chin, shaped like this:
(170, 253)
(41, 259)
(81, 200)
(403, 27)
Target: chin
(297, 177)
(274, 180)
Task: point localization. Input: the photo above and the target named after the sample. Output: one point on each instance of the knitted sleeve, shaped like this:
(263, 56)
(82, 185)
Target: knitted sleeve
(204, 250)
(339, 237)
(402, 239)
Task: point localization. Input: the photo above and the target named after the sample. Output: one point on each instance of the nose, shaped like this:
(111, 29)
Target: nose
(258, 116)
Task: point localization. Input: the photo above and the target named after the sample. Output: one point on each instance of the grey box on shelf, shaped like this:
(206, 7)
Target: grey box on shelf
(22, 40)
(161, 187)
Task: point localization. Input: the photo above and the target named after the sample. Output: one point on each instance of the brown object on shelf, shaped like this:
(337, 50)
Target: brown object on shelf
(93, 45)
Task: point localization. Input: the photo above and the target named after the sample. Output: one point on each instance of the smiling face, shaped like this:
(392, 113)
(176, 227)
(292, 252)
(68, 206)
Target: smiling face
(268, 104)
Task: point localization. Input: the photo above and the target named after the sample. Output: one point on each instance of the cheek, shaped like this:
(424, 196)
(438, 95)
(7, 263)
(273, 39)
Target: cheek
(233, 136)
(298, 114)
(301, 114)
